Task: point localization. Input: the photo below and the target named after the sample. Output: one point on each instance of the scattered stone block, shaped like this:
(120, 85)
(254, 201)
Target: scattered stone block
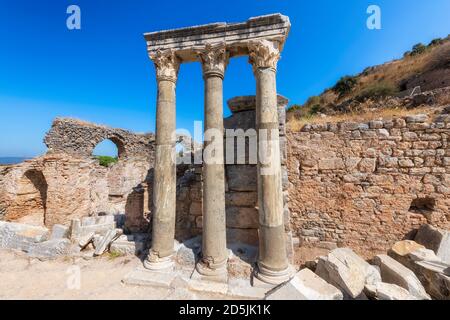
(387, 291)
(60, 232)
(347, 271)
(305, 285)
(433, 274)
(396, 273)
(85, 240)
(143, 277)
(125, 247)
(21, 236)
(435, 239)
(105, 242)
(50, 249)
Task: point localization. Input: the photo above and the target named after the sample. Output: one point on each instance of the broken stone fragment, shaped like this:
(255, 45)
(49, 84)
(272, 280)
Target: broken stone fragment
(105, 242)
(435, 239)
(387, 291)
(347, 271)
(396, 273)
(85, 240)
(305, 285)
(433, 274)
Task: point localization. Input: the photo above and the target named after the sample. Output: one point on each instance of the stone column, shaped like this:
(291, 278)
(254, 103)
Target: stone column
(214, 248)
(272, 264)
(164, 184)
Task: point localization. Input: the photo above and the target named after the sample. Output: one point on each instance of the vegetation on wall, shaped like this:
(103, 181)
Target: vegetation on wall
(106, 161)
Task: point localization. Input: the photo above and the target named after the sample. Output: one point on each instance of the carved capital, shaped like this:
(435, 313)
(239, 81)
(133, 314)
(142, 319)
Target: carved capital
(167, 65)
(263, 54)
(214, 59)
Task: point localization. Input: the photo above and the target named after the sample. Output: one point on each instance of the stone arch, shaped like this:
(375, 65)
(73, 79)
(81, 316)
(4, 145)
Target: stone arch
(116, 140)
(30, 203)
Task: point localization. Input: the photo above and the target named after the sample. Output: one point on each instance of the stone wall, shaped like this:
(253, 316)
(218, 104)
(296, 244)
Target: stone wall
(368, 185)
(68, 182)
(241, 182)
(79, 138)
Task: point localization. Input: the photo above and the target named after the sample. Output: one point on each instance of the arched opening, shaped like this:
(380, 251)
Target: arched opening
(31, 199)
(108, 152)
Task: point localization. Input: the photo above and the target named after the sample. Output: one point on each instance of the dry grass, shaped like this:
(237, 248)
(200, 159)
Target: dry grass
(296, 124)
(399, 70)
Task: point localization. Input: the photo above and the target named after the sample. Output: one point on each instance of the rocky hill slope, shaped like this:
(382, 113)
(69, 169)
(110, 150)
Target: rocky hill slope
(424, 68)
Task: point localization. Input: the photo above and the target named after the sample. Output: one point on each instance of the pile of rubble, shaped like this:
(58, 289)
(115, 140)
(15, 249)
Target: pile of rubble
(85, 237)
(412, 270)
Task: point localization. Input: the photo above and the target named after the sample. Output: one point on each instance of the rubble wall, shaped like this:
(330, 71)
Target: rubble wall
(368, 185)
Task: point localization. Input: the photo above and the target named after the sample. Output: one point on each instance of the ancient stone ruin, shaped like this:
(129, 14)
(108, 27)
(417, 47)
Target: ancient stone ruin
(350, 188)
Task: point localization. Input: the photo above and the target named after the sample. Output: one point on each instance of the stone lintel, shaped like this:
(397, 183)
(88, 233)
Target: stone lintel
(185, 41)
(246, 103)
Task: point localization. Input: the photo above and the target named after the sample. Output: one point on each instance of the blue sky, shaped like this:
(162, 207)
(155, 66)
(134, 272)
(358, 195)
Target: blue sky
(101, 73)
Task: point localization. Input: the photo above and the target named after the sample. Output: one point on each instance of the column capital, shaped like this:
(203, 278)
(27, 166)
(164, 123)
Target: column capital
(167, 65)
(214, 59)
(263, 54)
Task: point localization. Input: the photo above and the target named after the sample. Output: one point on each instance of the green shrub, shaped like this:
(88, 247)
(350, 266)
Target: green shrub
(345, 85)
(436, 42)
(294, 107)
(315, 109)
(377, 90)
(418, 49)
(106, 161)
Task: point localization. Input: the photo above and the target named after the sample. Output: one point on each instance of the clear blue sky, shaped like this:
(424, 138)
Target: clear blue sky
(101, 73)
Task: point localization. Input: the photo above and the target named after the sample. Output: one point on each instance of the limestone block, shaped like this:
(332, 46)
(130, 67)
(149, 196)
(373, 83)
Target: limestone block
(59, 232)
(418, 118)
(247, 199)
(85, 240)
(248, 236)
(395, 273)
(241, 177)
(388, 291)
(347, 271)
(127, 247)
(305, 285)
(105, 242)
(50, 249)
(36, 234)
(436, 240)
(242, 217)
(432, 273)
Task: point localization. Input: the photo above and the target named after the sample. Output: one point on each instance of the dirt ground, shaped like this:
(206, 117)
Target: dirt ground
(22, 277)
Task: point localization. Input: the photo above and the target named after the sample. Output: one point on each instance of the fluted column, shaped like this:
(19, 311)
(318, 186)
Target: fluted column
(164, 184)
(272, 264)
(214, 60)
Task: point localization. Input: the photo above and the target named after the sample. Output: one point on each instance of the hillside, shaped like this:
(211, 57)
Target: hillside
(424, 68)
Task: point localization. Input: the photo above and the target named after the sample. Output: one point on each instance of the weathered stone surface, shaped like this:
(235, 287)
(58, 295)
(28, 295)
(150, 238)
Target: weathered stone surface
(395, 273)
(436, 240)
(105, 242)
(242, 218)
(241, 177)
(388, 291)
(36, 234)
(85, 240)
(353, 178)
(60, 232)
(433, 274)
(125, 247)
(347, 271)
(50, 249)
(305, 285)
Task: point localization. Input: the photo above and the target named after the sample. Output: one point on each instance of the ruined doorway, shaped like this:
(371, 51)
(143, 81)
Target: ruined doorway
(30, 204)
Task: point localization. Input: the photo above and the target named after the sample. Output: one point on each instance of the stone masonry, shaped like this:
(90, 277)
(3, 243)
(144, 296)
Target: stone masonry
(368, 185)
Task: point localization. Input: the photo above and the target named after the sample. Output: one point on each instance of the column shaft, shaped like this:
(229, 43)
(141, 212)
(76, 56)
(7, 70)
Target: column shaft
(214, 225)
(164, 184)
(273, 266)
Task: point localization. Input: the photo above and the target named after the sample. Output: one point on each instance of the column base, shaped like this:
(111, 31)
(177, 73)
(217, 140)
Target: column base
(217, 270)
(263, 277)
(155, 263)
